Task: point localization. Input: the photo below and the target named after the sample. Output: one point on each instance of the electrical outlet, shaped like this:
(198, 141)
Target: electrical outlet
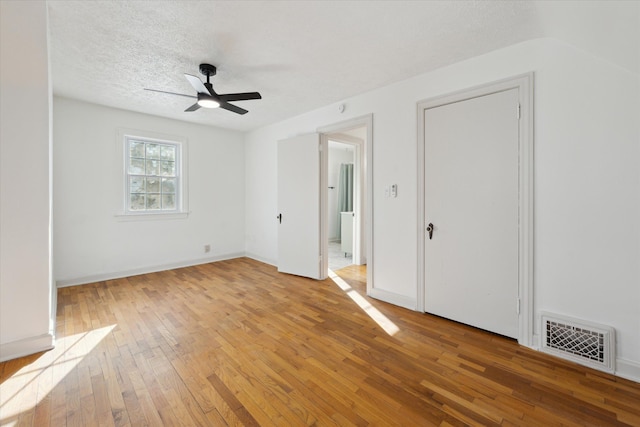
(207, 249)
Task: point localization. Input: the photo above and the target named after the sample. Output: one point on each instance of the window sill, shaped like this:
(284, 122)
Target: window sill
(146, 216)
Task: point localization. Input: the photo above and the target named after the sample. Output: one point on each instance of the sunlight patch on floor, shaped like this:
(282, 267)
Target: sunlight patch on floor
(383, 321)
(43, 375)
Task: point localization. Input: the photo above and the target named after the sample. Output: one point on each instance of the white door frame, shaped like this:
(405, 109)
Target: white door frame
(363, 224)
(524, 84)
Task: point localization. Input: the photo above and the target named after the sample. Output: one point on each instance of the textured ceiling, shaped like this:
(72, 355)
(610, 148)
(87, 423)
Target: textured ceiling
(300, 55)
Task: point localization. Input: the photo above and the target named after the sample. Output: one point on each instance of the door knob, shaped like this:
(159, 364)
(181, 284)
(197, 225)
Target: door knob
(430, 230)
(279, 217)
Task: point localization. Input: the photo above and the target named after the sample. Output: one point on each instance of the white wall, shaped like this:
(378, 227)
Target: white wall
(338, 153)
(91, 243)
(587, 185)
(26, 315)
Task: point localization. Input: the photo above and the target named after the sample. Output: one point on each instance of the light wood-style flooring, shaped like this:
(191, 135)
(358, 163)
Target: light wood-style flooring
(236, 343)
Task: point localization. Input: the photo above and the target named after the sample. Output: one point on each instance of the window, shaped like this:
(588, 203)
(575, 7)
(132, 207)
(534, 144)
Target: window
(153, 176)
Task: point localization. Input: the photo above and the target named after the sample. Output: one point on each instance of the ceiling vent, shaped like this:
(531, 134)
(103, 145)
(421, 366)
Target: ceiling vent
(580, 341)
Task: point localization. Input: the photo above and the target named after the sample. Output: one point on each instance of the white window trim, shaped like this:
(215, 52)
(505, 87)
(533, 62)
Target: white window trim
(122, 214)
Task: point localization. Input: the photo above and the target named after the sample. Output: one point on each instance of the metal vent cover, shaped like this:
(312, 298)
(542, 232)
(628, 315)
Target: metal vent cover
(580, 341)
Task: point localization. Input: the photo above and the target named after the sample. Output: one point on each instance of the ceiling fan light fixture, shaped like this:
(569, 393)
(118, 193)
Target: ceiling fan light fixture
(207, 101)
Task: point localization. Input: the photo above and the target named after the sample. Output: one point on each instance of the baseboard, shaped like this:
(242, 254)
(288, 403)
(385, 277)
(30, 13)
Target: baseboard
(628, 369)
(535, 342)
(392, 298)
(261, 259)
(25, 347)
(143, 270)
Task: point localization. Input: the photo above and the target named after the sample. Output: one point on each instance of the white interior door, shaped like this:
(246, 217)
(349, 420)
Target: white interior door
(299, 202)
(471, 198)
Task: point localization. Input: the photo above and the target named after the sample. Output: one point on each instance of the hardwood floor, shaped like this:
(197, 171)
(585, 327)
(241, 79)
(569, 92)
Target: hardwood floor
(236, 343)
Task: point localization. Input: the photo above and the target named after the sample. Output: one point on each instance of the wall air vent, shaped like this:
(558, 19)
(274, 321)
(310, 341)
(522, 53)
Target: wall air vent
(580, 341)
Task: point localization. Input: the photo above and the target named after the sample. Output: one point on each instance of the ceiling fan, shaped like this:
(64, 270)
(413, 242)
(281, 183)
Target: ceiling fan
(207, 97)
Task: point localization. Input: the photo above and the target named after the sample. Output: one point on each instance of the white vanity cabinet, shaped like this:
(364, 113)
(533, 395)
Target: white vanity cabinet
(346, 232)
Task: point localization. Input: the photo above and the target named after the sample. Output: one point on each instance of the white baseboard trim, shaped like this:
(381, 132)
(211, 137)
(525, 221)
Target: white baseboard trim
(535, 342)
(63, 283)
(628, 369)
(261, 259)
(624, 368)
(25, 347)
(392, 298)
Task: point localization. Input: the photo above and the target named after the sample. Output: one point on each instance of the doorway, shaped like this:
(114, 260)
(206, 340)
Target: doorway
(475, 204)
(348, 226)
(340, 213)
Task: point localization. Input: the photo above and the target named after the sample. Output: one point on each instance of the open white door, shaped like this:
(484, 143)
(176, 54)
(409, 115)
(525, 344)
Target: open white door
(299, 204)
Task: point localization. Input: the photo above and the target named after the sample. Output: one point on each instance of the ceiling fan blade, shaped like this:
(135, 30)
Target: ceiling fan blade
(233, 108)
(194, 107)
(197, 84)
(170, 93)
(240, 96)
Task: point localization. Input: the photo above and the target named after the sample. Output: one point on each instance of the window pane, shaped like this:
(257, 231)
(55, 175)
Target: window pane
(136, 149)
(168, 185)
(168, 201)
(137, 202)
(167, 152)
(136, 184)
(153, 185)
(153, 151)
(153, 201)
(167, 168)
(136, 166)
(152, 175)
(153, 167)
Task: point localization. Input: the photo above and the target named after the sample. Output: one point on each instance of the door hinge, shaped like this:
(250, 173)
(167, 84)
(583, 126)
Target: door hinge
(517, 305)
(518, 111)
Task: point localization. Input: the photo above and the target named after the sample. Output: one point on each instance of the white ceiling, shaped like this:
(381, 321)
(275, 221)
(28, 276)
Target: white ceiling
(300, 55)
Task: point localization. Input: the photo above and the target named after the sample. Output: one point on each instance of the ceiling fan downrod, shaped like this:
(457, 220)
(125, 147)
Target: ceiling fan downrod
(208, 70)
